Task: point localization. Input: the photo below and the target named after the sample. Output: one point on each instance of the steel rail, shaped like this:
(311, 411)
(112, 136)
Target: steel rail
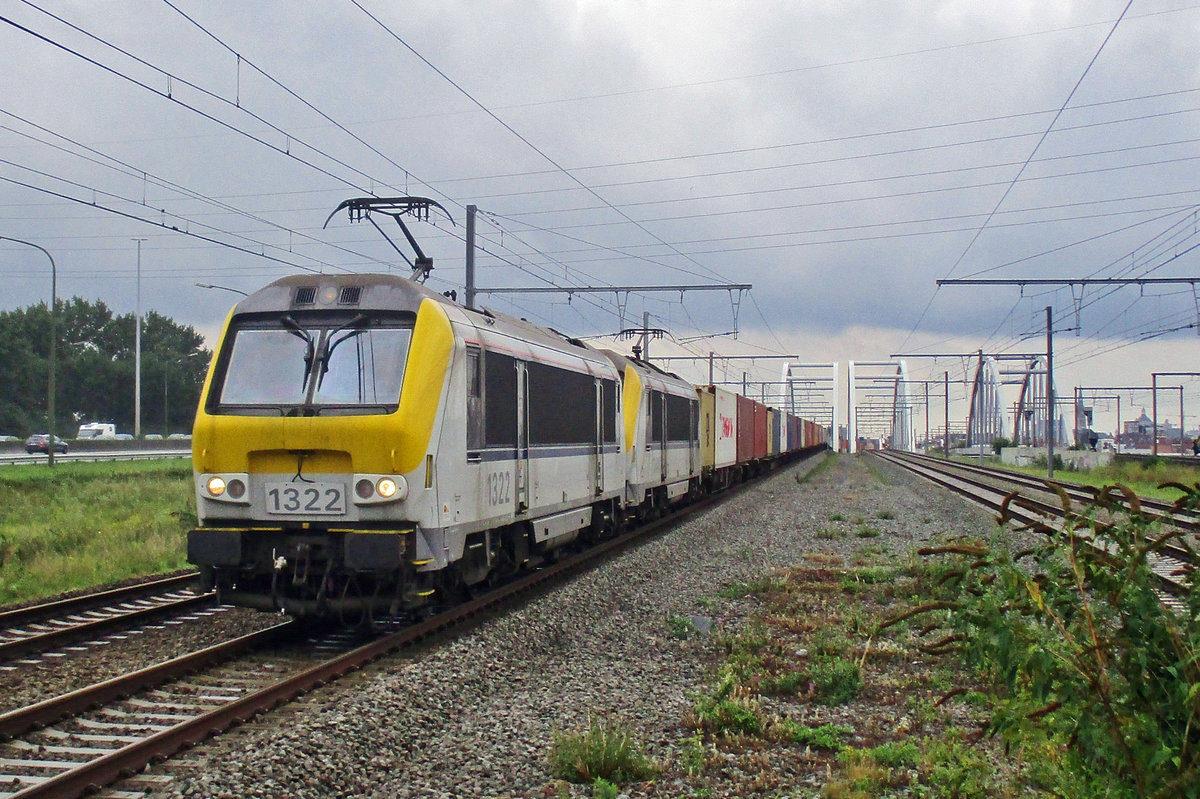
(1155, 509)
(1022, 509)
(67, 620)
(60, 607)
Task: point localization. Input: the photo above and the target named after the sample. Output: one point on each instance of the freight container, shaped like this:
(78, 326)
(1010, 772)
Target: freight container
(719, 423)
(745, 429)
(760, 430)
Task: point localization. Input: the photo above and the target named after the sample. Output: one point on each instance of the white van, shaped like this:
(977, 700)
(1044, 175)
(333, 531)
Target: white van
(97, 430)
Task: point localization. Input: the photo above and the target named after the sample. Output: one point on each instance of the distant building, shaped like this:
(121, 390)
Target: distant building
(1139, 434)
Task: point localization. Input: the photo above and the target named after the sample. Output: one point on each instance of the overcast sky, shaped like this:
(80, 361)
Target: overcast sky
(841, 157)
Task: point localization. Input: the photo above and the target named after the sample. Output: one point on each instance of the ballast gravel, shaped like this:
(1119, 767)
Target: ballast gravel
(476, 716)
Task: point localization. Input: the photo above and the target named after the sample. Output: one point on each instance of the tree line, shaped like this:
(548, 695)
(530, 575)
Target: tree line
(95, 374)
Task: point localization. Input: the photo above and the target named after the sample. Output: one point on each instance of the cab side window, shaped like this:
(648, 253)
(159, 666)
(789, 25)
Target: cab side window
(474, 378)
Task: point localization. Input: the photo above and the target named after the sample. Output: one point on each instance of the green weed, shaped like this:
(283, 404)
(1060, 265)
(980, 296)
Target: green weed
(827, 736)
(681, 627)
(731, 708)
(896, 754)
(603, 789)
(790, 682)
(604, 751)
(835, 680)
(1085, 658)
(692, 754)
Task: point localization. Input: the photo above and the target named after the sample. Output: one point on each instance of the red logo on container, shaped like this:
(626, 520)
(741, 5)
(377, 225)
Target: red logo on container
(726, 427)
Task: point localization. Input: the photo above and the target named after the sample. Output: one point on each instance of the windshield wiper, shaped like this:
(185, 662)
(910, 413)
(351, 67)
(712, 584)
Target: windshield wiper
(310, 352)
(331, 345)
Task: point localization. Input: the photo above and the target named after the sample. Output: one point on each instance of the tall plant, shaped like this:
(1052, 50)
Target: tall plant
(1084, 653)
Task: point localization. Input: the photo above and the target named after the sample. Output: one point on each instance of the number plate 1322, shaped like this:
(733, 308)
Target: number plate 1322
(322, 499)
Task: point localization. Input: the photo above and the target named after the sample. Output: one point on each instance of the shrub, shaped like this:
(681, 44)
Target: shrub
(1088, 660)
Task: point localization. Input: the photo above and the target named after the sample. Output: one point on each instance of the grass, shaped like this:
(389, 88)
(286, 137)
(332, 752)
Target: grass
(80, 525)
(948, 764)
(1143, 477)
(835, 681)
(811, 656)
(603, 753)
(826, 736)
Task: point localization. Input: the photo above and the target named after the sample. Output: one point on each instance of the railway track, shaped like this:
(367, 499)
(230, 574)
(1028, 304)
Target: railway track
(41, 628)
(79, 742)
(1039, 501)
(1186, 460)
(1154, 508)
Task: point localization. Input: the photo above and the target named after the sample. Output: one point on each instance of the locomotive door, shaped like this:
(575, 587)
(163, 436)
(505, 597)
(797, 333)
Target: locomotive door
(661, 406)
(693, 437)
(598, 448)
(521, 478)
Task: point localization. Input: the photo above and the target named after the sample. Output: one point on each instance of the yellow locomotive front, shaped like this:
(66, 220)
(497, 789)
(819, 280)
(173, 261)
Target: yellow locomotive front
(312, 446)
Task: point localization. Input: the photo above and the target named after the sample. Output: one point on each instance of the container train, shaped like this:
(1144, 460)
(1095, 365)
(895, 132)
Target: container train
(365, 447)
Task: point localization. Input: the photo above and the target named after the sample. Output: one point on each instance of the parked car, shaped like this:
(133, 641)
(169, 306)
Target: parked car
(40, 442)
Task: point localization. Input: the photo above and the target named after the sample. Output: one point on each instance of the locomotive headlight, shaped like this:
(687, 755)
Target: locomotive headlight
(226, 488)
(377, 489)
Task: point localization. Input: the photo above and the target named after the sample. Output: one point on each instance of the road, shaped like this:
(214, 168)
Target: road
(101, 451)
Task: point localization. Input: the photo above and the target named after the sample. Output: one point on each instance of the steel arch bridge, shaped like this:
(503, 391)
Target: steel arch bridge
(985, 420)
(879, 405)
(1030, 413)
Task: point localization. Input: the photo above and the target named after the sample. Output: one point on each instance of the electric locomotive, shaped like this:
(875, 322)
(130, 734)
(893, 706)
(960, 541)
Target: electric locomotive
(363, 443)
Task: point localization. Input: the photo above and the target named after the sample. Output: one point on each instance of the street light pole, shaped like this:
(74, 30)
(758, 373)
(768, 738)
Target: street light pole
(53, 341)
(222, 288)
(1050, 425)
(137, 348)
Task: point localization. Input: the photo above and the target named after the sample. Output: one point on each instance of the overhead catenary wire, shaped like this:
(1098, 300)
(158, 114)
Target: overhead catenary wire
(1020, 172)
(531, 145)
(537, 257)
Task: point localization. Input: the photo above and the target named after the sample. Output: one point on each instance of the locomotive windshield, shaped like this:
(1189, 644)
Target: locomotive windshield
(306, 367)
